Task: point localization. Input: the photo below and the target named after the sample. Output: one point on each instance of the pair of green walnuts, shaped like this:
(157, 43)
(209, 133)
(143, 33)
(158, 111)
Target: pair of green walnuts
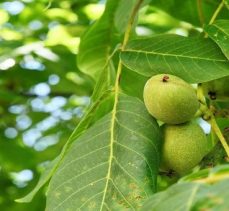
(174, 102)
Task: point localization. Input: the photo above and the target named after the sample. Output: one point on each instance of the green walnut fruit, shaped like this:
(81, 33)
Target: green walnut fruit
(217, 89)
(184, 146)
(170, 99)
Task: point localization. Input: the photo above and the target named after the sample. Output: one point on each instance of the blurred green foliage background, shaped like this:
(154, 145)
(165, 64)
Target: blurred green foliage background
(42, 93)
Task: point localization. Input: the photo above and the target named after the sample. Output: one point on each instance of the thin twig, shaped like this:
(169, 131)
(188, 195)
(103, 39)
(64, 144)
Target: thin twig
(200, 12)
(219, 134)
(215, 14)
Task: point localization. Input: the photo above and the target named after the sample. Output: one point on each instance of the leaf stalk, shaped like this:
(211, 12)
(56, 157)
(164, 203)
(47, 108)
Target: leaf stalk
(218, 9)
(208, 115)
(216, 12)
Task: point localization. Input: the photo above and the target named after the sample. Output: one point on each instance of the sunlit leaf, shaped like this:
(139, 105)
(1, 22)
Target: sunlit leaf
(57, 13)
(4, 16)
(124, 12)
(96, 43)
(60, 35)
(94, 11)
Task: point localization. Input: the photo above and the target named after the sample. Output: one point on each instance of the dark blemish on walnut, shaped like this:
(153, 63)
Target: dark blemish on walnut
(165, 78)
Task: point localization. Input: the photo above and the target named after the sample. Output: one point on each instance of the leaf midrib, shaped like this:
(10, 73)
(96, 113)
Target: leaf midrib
(174, 55)
(114, 111)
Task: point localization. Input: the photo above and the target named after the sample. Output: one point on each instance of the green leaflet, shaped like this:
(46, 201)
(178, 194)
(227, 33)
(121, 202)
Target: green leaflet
(123, 13)
(219, 32)
(97, 43)
(101, 173)
(190, 193)
(195, 60)
(190, 196)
